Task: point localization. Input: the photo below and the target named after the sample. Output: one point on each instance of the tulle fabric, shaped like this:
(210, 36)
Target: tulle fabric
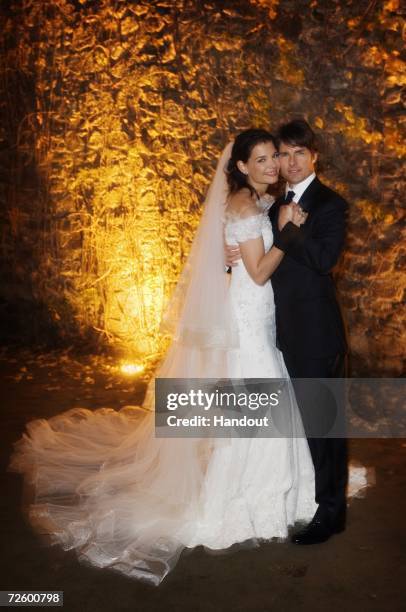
(101, 482)
(199, 313)
(104, 485)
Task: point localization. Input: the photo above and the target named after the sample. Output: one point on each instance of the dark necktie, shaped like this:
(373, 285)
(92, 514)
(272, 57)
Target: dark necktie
(289, 197)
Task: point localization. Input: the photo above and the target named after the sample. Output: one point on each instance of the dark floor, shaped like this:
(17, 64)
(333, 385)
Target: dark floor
(362, 569)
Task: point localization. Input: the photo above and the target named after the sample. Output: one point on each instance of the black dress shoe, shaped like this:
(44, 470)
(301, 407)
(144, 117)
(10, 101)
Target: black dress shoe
(317, 531)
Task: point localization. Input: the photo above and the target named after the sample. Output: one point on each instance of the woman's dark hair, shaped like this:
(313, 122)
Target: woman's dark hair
(241, 151)
(297, 133)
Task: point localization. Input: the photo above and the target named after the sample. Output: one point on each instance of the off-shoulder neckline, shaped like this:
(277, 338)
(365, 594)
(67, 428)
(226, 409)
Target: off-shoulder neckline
(263, 205)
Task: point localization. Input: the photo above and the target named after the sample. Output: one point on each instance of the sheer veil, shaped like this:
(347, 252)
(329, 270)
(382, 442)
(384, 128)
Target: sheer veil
(199, 316)
(101, 482)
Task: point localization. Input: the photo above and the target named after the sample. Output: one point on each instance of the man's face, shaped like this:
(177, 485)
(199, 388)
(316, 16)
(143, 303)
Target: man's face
(296, 163)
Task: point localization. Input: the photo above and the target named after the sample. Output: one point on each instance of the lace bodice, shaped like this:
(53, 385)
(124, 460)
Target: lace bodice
(253, 304)
(239, 229)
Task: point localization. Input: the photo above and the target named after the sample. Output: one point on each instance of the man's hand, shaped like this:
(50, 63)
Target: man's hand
(232, 255)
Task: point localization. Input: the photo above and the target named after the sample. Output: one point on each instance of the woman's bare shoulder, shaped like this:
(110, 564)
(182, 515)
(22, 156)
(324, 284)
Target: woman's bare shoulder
(242, 204)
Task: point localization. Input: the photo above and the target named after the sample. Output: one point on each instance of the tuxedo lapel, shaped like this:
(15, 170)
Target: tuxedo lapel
(310, 196)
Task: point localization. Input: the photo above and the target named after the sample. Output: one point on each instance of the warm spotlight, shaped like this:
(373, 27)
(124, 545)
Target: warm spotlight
(131, 369)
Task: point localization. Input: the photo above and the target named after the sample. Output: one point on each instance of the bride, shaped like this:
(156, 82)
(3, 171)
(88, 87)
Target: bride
(105, 485)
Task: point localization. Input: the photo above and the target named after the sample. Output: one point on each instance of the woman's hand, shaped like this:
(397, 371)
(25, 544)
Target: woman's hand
(232, 255)
(291, 213)
(285, 215)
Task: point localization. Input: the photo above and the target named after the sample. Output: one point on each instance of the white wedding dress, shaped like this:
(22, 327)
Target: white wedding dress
(106, 487)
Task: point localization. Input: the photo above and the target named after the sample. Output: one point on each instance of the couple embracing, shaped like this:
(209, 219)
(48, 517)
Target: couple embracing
(308, 227)
(106, 486)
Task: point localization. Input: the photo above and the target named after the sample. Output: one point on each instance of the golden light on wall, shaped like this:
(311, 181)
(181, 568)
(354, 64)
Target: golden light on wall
(134, 269)
(118, 114)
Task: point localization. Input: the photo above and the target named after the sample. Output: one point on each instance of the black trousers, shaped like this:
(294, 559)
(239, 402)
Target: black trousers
(329, 455)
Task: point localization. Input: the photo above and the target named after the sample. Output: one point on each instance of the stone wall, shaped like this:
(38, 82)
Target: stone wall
(113, 116)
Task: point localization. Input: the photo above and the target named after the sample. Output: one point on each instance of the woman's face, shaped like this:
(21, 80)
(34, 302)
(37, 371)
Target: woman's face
(262, 167)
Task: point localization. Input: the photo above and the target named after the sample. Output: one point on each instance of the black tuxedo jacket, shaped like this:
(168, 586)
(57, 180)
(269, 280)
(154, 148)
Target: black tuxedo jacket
(308, 318)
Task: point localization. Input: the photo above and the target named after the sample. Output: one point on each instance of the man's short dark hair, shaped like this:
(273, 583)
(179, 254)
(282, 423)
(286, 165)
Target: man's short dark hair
(297, 133)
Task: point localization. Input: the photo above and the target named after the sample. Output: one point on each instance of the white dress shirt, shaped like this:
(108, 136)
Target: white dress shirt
(300, 188)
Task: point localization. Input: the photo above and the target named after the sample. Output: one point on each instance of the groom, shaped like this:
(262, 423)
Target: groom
(310, 330)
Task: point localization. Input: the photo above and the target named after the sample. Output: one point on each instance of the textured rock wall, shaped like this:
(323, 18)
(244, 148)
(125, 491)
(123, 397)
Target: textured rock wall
(113, 116)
